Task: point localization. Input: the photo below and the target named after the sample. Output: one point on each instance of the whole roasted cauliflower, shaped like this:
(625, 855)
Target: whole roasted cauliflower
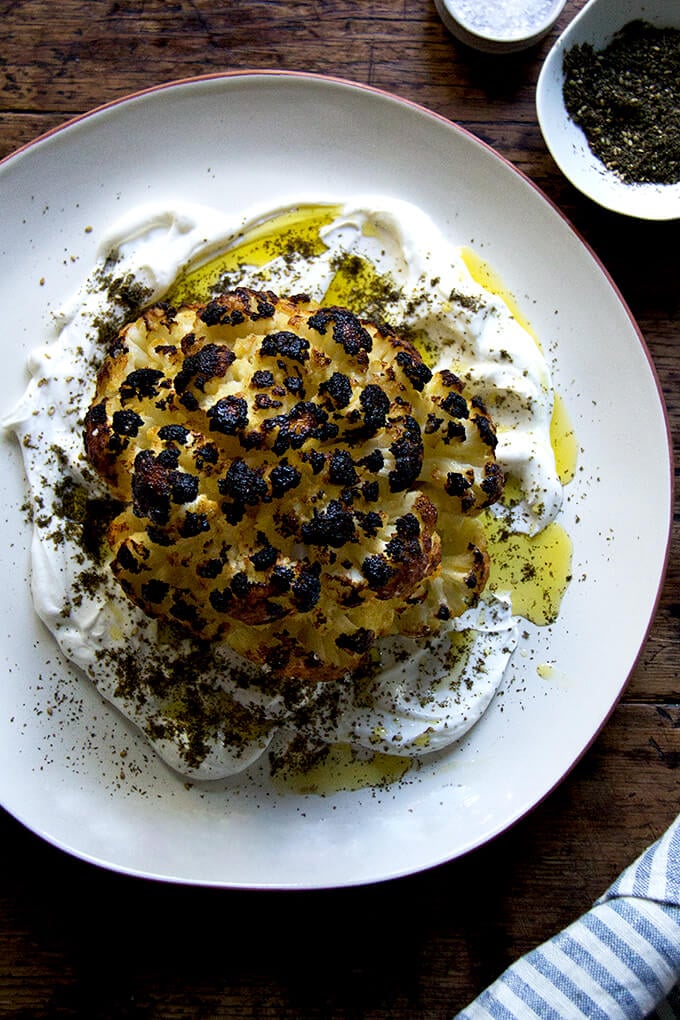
(292, 479)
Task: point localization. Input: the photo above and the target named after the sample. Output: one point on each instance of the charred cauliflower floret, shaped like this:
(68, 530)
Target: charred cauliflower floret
(293, 480)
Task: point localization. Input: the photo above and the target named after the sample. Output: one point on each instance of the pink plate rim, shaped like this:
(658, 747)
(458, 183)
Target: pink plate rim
(423, 110)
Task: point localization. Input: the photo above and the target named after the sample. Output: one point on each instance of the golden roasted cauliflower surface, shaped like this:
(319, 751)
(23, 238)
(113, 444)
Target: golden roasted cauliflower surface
(292, 479)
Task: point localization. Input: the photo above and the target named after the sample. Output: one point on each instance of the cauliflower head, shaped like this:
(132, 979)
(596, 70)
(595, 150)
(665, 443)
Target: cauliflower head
(291, 479)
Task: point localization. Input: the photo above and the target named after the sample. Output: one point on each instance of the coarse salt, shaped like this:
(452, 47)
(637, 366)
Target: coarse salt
(502, 18)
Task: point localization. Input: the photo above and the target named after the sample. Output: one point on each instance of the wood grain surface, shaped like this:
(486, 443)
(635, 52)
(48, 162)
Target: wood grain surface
(79, 941)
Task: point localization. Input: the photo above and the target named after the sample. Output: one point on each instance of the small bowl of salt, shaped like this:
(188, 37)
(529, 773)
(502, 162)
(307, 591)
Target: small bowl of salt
(499, 26)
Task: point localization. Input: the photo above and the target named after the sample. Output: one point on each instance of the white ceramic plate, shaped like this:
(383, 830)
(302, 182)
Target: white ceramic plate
(70, 768)
(597, 23)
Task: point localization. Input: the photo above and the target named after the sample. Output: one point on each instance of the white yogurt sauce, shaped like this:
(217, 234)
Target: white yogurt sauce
(419, 697)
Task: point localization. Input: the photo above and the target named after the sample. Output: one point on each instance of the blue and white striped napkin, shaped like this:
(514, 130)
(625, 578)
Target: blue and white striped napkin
(619, 961)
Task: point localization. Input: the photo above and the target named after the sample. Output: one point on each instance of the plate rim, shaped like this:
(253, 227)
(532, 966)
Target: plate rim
(319, 78)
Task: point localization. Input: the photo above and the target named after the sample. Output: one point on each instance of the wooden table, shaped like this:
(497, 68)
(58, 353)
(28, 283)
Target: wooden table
(78, 941)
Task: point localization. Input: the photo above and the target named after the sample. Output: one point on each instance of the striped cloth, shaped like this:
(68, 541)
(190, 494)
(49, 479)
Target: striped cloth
(620, 961)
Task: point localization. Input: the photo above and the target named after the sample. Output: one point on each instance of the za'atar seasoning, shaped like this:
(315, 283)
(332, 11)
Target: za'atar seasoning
(626, 99)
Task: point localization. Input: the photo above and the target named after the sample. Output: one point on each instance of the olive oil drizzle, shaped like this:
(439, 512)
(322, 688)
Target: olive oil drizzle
(291, 235)
(534, 570)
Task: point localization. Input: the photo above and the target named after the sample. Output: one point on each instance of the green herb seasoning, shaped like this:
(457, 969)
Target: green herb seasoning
(626, 98)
